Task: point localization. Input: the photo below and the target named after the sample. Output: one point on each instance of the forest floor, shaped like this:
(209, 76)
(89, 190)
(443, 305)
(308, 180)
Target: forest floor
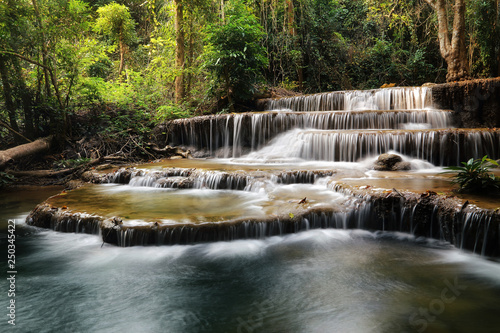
(95, 143)
(102, 137)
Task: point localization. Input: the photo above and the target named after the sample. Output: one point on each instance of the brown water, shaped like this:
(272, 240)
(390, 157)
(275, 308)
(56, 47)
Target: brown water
(18, 200)
(138, 205)
(422, 182)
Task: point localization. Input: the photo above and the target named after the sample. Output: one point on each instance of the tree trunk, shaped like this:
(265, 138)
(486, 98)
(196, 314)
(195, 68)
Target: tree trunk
(44, 49)
(228, 90)
(293, 32)
(190, 63)
(50, 72)
(29, 127)
(35, 147)
(452, 50)
(19, 81)
(458, 68)
(7, 94)
(122, 58)
(497, 34)
(222, 12)
(179, 51)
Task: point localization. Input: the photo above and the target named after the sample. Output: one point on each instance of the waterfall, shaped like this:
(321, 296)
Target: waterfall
(470, 230)
(377, 99)
(346, 126)
(440, 147)
(215, 180)
(229, 135)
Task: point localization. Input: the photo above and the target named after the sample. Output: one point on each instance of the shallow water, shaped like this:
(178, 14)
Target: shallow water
(17, 201)
(173, 206)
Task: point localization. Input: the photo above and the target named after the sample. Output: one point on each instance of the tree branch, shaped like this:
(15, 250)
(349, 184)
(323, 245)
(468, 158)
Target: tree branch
(54, 82)
(2, 123)
(25, 58)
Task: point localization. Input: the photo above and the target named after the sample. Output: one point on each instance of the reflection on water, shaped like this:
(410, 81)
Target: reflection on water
(314, 281)
(16, 201)
(152, 204)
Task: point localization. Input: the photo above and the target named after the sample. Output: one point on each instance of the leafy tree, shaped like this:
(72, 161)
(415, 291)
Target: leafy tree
(483, 29)
(115, 22)
(233, 53)
(179, 50)
(42, 45)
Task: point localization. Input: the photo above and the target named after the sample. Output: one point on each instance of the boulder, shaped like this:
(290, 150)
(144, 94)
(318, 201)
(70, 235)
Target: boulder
(391, 162)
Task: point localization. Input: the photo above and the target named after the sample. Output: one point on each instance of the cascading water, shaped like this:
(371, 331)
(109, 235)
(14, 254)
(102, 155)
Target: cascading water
(378, 99)
(233, 135)
(436, 146)
(301, 140)
(262, 235)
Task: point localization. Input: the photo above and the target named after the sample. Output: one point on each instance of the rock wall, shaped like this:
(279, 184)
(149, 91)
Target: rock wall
(475, 103)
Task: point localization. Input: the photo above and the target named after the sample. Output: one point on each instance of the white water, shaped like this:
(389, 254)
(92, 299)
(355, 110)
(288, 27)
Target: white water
(313, 281)
(322, 134)
(433, 146)
(378, 99)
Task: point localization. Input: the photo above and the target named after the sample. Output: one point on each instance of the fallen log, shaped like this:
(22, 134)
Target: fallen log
(63, 172)
(27, 149)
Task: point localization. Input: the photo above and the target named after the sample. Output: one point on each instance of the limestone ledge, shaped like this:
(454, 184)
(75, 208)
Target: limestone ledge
(427, 214)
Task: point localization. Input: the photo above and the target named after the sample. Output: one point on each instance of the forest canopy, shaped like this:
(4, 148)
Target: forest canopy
(162, 59)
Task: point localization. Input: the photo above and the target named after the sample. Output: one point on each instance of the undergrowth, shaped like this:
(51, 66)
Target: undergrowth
(475, 176)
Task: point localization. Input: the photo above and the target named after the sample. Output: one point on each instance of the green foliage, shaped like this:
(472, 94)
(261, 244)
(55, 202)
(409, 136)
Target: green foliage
(483, 27)
(172, 111)
(345, 44)
(233, 53)
(474, 176)
(122, 123)
(307, 45)
(101, 68)
(115, 21)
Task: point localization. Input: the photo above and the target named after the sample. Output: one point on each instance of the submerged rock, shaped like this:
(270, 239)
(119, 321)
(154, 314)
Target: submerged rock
(391, 162)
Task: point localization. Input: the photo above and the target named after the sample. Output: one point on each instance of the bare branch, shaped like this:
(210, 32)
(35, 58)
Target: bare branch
(3, 124)
(25, 58)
